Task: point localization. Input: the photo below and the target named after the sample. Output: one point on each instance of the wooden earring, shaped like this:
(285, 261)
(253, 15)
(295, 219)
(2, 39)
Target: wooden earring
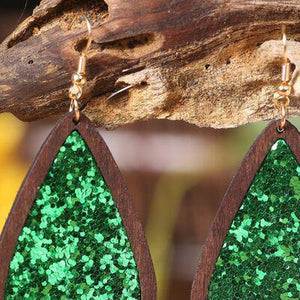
(72, 232)
(252, 248)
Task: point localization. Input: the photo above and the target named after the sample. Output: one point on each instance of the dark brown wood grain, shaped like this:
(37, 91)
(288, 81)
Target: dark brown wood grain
(191, 60)
(112, 177)
(233, 200)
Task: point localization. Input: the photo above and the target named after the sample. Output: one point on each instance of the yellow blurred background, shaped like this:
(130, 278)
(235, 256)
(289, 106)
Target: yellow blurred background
(12, 167)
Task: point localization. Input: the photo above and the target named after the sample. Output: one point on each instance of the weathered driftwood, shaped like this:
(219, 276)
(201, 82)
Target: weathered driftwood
(212, 63)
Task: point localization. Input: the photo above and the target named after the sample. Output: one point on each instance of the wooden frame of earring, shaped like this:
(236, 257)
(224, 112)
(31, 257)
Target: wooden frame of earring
(112, 177)
(233, 199)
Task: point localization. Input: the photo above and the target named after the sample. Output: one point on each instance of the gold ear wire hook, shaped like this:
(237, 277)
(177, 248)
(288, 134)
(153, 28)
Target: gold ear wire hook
(89, 39)
(89, 30)
(79, 78)
(286, 66)
(281, 97)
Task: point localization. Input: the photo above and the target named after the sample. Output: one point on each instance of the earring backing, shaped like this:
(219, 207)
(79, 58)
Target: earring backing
(79, 78)
(281, 97)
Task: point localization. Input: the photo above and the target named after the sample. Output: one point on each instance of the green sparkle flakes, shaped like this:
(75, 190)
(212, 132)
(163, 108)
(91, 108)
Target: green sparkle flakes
(73, 244)
(260, 254)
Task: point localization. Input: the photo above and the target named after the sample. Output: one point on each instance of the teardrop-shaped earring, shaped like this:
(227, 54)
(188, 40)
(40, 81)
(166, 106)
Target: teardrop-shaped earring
(252, 249)
(72, 232)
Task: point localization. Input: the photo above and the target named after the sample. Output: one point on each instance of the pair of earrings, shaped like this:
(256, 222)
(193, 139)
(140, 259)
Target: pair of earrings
(73, 233)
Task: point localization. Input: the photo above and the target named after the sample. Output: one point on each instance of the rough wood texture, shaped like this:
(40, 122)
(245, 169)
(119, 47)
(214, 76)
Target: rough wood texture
(211, 63)
(233, 200)
(112, 177)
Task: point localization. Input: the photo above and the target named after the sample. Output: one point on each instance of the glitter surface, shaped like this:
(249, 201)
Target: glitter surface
(73, 244)
(260, 254)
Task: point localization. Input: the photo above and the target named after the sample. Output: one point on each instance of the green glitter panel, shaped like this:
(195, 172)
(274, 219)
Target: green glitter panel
(260, 255)
(73, 244)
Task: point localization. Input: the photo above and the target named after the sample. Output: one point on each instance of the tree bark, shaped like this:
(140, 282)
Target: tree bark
(210, 63)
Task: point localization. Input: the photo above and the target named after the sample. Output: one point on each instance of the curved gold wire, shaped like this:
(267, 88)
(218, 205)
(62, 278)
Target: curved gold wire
(89, 31)
(285, 75)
